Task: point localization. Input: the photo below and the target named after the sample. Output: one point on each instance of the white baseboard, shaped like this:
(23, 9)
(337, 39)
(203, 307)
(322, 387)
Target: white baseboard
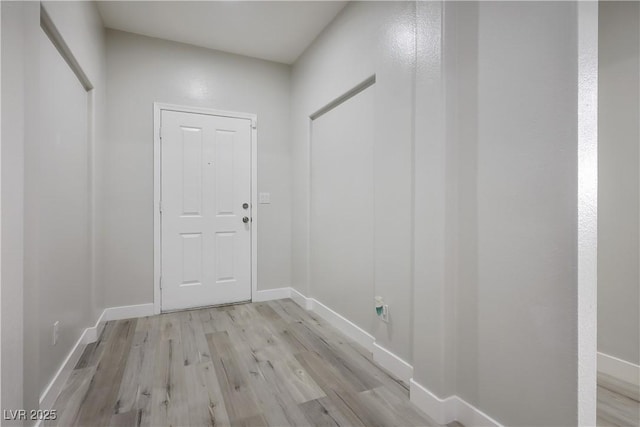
(381, 355)
(453, 408)
(469, 415)
(619, 369)
(392, 363)
(271, 294)
(301, 300)
(127, 312)
(342, 324)
(89, 335)
(442, 411)
(53, 389)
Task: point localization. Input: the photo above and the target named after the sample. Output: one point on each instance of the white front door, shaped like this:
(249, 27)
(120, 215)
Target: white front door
(205, 210)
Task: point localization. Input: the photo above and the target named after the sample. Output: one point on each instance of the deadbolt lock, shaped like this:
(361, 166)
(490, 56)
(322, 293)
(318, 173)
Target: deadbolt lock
(245, 206)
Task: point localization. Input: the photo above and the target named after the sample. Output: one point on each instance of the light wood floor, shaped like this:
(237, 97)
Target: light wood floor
(618, 403)
(259, 364)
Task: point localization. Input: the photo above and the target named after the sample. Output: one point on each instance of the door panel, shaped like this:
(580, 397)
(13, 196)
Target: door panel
(192, 248)
(225, 249)
(192, 171)
(205, 179)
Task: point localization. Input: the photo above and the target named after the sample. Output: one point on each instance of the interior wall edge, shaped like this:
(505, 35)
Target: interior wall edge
(431, 301)
(587, 212)
(12, 147)
(0, 204)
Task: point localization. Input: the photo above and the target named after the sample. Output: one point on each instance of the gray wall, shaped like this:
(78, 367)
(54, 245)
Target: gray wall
(12, 202)
(474, 174)
(492, 176)
(41, 292)
(58, 199)
(366, 38)
(496, 186)
(81, 26)
(435, 202)
(342, 240)
(518, 216)
(618, 188)
(143, 70)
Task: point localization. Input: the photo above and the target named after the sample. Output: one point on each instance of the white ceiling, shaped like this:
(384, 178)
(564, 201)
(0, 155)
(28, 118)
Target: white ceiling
(273, 30)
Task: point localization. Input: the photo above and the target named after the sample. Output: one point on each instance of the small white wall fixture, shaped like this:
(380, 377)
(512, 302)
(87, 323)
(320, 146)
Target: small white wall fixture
(158, 107)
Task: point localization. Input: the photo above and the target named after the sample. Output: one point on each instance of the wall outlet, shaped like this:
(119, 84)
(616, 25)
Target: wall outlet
(385, 313)
(56, 332)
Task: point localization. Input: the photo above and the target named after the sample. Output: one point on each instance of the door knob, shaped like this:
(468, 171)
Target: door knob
(245, 219)
(245, 206)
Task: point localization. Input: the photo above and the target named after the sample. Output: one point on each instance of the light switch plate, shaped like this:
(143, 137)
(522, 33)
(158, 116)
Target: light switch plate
(264, 198)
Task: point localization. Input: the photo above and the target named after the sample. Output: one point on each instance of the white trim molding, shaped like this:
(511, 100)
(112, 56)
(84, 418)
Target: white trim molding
(335, 319)
(93, 333)
(88, 336)
(117, 313)
(381, 355)
(55, 386)
(452, 408)
(619, 369)
(128, 312)
(343, 324)
(392, 363)
(469, 415)
(158, 107)
(443, 411)
(301, 300)
(271, 294)
(587, 206)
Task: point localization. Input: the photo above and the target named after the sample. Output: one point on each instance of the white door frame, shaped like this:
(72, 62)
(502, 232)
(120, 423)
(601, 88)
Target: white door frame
(158, 107)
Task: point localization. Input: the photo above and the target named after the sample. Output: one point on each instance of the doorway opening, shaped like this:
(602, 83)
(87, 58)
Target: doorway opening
(205, 216)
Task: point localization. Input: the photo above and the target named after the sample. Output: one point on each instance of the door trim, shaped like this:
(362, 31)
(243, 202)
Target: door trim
(158, 107)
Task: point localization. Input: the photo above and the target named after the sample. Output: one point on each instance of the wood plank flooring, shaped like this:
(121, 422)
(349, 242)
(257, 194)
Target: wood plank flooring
(258, 364)
(618, 403)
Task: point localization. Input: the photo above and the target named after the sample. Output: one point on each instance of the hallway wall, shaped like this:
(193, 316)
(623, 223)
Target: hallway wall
(476, 240)
(342, 176)
(475, 188)
(50, 177)
(143, 70)
(514, 129)
(365, 38)
(13, 21)
(618, 181)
